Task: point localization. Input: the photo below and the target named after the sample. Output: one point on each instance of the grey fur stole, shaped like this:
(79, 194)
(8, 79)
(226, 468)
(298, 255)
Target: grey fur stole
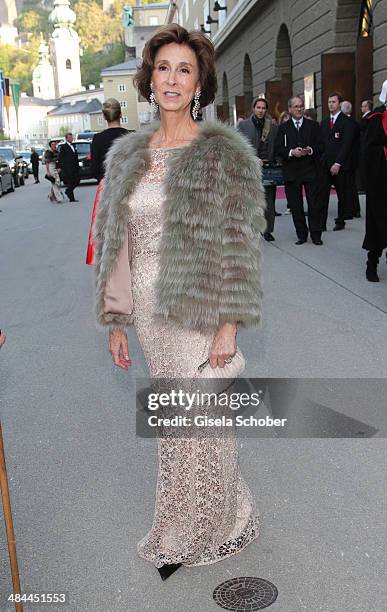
(210, 247)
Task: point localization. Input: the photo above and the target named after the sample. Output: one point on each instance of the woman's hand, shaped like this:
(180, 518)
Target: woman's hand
(118, 348)
(224, 345)
(2, 338)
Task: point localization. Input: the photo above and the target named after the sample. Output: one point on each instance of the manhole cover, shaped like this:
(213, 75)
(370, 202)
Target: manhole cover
(245, 593)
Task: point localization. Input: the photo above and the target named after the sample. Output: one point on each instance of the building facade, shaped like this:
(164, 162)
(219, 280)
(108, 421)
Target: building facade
(281, 48)
(32, 115)
(8, 14)
(72, 117)
(118, 83)
(140, 22)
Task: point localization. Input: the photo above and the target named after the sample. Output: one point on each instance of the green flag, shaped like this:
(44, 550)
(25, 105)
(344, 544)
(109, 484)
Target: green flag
(15, 90)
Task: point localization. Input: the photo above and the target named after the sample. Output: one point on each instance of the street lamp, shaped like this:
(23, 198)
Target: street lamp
(217, 7)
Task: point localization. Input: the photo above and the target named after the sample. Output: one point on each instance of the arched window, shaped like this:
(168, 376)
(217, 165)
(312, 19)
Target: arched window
(68, 64)
(365, 24)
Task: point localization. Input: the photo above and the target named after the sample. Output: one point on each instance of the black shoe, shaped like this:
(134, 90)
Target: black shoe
(167, 570)
(337, 227)
(278, 214)
(317, 242)
(348, 218)
(372, 274)
(74, 200)
(301, 241)
(36, 182)
(268, 237)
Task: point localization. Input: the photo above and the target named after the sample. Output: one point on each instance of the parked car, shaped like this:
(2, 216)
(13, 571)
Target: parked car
(40, 151)
(26, 157)
(86, 135)
(17, 165)
(6, 177)
(83, 149)
(57, 139)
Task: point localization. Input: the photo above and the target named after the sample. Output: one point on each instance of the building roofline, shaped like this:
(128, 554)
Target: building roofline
(233, 21)
(153, 5)
(123, 68)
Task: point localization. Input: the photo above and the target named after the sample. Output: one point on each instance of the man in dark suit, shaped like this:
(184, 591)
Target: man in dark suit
(366, 109)
(352, 204)
(337, 138)
(35, 164)
(69, 165)
(375, 240)
(261, 132)
(299, 144)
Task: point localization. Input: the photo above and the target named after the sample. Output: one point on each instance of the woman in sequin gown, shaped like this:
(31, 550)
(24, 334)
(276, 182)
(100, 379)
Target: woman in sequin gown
(204, 510)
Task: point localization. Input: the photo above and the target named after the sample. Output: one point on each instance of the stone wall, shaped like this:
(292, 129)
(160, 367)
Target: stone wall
(324, 26)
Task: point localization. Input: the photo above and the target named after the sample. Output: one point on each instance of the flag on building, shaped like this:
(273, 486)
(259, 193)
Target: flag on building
(7, 97)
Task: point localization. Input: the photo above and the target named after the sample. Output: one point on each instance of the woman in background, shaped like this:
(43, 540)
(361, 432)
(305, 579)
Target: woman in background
(102, 142)
(284, 116)
(51, 161)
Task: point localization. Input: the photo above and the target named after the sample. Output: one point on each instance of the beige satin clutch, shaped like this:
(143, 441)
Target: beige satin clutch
(233, 367)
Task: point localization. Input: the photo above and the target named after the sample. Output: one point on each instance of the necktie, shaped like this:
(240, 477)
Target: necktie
(297, 125)
(332, 123)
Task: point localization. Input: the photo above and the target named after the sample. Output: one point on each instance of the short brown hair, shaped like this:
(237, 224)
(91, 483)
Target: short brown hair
(111, 109)
(197, 41)
(336, 94)
(369, 104)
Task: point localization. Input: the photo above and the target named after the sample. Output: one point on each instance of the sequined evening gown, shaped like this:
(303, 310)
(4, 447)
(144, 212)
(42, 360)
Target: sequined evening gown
(204, 511)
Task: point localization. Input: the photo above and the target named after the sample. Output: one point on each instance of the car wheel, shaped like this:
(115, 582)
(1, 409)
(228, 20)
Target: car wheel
(1, 188)
(12, 188)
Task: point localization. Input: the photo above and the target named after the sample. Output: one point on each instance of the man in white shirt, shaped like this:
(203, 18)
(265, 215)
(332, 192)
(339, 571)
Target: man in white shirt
(299, 144)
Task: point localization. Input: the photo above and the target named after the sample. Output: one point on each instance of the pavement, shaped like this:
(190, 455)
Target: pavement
(82, 484)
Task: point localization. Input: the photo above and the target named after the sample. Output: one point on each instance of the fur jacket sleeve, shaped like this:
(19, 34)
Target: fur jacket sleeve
(209, 270)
